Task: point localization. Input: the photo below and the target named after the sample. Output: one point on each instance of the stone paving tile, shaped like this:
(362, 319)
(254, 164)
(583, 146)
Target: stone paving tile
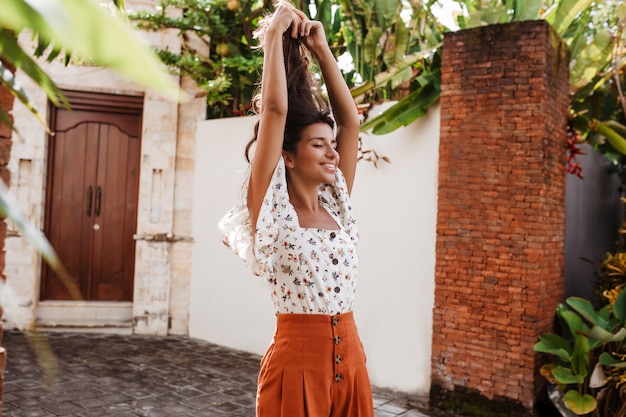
(102, 375)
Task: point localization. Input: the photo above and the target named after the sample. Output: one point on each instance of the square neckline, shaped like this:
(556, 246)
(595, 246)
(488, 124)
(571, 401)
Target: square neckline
(297, 218)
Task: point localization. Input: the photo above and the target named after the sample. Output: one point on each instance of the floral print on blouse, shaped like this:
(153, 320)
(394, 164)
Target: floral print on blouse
(309, 270)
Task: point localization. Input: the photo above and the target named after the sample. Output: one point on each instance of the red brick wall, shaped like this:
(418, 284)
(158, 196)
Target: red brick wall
(501, 215)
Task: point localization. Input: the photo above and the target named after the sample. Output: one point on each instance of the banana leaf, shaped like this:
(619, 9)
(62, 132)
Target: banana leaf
(404, 112)
(590, 59)
(386, 11)
(563, 13)
(397, 43)
(384, 77)
(526, 10)
(615, 139)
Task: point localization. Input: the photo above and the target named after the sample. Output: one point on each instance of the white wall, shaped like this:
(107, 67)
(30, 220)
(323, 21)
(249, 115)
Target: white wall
(396, 206)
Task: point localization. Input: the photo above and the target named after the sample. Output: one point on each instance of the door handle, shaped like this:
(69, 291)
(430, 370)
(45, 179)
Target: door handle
(98, 201)
(89, 200)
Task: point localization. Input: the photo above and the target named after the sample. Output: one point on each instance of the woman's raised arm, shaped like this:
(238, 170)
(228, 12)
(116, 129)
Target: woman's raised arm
(273, 111)
(343, 107)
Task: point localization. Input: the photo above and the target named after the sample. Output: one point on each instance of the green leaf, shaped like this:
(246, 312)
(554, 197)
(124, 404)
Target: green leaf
(386, 11)
(79, 26)
(11, 50)
(527, 9)
(615, 125)
(573, 321)
(5, 118)
(605, 336)
(475, 20)
(620, 12)
(564, 12)
(580, 356)
(615, 139)
(9, 208)
(586, 309)
(371, 47)
(589, 58)
(607, 359)
(554, 344)
(619, 308)
(8, 80)
(579, 404)
(566, 376)
(397, 43)
(384, 77)
(403, 112)
(362, 89)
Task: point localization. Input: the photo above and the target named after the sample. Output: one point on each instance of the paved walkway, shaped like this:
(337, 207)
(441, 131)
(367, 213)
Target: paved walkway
(113, 375)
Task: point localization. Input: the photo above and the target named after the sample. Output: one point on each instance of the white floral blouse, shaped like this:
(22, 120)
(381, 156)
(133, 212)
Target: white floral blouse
(310, 271)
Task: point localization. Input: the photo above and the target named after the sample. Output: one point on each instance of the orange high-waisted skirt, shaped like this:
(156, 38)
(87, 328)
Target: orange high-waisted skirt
(315, 367)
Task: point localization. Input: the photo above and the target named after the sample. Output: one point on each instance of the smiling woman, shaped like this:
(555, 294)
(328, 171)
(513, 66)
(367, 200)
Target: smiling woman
(293, 225)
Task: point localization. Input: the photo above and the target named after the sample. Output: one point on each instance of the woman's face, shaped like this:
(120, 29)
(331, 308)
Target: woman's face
(316, 158)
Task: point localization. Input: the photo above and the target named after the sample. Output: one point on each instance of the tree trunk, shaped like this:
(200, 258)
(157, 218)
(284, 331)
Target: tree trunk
(6, 104)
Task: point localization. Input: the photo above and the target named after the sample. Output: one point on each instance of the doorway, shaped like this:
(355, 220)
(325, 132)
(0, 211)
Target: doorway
(91, 195)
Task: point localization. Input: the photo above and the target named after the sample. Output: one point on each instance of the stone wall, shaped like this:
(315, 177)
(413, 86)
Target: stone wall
(163, 235)
(501, 216)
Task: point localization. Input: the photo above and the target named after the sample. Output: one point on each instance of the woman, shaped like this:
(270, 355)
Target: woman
(296, 199)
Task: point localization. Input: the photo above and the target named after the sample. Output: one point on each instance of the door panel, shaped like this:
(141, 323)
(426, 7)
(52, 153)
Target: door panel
(116, 217)
(91, 198)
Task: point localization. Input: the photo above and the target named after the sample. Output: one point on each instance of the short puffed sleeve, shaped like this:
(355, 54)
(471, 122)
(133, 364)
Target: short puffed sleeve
(257, 249)
(335, 197)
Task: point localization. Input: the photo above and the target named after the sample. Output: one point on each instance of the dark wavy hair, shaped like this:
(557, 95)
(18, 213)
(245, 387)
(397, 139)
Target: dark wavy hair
(306, 106)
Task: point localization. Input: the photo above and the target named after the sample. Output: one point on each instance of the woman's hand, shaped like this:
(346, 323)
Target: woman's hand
(313, 36)
(287, 16)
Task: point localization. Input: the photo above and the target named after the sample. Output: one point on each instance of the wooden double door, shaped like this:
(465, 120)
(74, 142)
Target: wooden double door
(91, 195)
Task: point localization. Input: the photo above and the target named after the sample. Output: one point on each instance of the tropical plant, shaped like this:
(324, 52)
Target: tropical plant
(594, 32)
(407, 58)
(384, 50)
(217, 47)
(598, 105)
(590, 366)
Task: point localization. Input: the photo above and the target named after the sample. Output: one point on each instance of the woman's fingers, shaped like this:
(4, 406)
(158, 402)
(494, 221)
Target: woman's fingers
(305, 28)
(295, 23)
(288, 17)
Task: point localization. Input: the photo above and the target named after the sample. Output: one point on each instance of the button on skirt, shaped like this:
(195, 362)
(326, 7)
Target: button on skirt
(314, 367)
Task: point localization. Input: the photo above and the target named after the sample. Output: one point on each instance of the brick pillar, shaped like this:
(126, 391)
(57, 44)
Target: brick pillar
(501, 215)
(6, 104)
